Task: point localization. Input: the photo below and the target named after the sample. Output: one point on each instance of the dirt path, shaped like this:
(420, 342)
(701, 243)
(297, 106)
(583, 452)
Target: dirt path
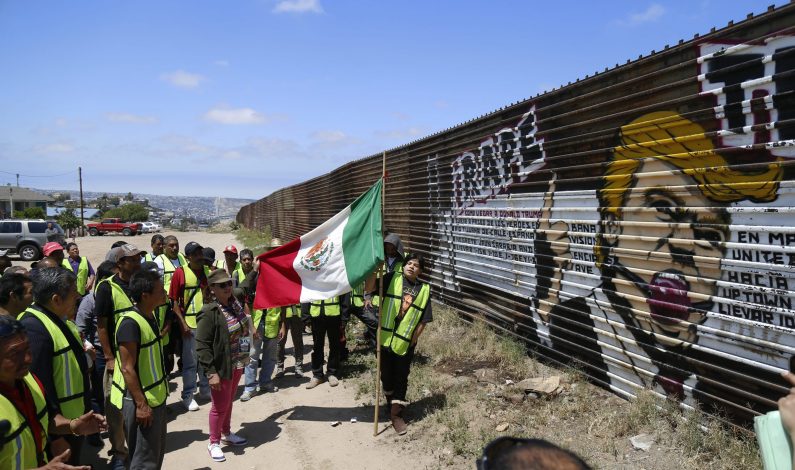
(290, 429)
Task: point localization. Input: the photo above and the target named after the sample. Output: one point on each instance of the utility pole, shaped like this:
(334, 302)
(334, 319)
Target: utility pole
(82, 219)
(17, 180)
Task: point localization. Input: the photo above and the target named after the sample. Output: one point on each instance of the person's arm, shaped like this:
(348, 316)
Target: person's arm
(83, 317)
(89, 423)
(103, 309)
(176, 293)
(427, 317)
(128, 354)
(91, 276)
(786, 408)
(283, 323)
(205, 334)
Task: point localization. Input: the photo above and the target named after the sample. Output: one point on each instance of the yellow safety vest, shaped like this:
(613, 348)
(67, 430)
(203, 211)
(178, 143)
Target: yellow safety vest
(272, 317)
(169, 268)
(121, 302)
(149, 366)
(241, 276)
(18, 447)
(331, 307)
(192, 298)
(148, 257)
(82, 273)
(399, 339)
(292, 310)
(66, 373)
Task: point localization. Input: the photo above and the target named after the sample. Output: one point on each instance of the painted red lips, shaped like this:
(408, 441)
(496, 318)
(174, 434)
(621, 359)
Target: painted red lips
(668, 300)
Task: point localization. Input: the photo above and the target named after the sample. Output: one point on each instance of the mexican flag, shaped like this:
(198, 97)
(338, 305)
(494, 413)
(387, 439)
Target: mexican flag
(330, 260)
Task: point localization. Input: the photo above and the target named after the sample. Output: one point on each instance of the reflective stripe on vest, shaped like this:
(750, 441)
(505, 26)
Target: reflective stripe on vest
(399, 339)
(357, 296)
(169, 268)
(192, 298)
(149, 366)
(66, 374)
(18, 446)
(160, 316)
(331, 307)
(82, 273)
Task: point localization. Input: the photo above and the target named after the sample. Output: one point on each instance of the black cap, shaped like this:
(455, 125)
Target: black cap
(191, 247)
(209, 254)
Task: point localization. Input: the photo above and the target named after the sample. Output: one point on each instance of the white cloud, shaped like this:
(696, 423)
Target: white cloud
(654, 12)
(298, 6)
(221, 63)
(235, 116)
(182, 79)
(58, 147)
(408, 133)
(329, 136)
(131, 118)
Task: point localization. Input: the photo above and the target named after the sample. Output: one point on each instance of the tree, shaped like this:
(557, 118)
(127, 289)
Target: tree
(68, 220)
(129, 197)
(30, 213)
(129, 213)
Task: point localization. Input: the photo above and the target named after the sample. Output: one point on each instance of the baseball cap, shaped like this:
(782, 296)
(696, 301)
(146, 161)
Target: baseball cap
(191, 247)
(209, 254)
(149, 266)
(218, 276)
(51, 247)
(230, 249)
(128, 250)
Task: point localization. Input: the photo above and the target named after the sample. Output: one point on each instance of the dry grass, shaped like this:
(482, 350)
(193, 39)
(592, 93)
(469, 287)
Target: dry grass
(257, 241)
(453, 415)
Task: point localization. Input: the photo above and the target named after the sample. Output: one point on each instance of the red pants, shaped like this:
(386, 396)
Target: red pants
(221, 409)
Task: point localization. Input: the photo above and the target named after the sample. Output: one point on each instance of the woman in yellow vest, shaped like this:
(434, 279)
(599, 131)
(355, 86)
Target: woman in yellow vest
(405, 311)
(30, 417)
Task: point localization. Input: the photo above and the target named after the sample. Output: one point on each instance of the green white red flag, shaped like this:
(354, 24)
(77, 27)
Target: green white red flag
(328, 261)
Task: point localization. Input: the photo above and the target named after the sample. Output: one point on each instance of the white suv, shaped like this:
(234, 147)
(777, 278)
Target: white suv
(150, 227)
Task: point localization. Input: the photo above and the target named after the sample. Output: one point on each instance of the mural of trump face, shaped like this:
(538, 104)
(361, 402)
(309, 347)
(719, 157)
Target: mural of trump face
(668, 188)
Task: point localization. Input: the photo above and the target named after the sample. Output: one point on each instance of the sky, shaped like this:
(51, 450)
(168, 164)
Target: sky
(241, 98)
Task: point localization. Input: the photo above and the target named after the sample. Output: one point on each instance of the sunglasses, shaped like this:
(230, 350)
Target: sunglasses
(224, 285)
(496, 448)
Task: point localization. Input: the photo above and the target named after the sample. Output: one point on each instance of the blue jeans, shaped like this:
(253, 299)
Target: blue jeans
(267, 348)
(190, 367)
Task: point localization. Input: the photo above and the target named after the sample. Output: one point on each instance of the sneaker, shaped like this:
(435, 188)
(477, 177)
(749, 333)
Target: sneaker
(233, 439)
(190, 404)
(215, 452)
(299, 371)
(268, 388)
(315, 382)
(246, 396)
(279, 372)
(333, 381)
(117, 463)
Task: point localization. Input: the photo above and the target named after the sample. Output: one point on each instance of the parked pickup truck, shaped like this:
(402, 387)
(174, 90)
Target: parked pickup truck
(114, 225)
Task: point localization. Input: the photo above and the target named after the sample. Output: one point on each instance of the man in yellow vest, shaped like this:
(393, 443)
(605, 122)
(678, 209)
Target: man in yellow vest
(59, 361)
(187, 291)
(29, 415)
(54, 251)
(169, 260)
(112, 300)
(81, 267)
(140, 383)
(157, 245)
(325, 318)
(405, 311)
(231, 265)
(269, 330)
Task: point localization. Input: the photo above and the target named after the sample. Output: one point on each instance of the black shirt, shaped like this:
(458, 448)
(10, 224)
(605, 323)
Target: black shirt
(130, 332)
(104, 307)
(427, 313)
(41, 348)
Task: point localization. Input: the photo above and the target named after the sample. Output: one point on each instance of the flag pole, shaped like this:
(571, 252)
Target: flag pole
(380, 305)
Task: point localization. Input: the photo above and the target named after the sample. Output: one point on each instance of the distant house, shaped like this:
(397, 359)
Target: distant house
(21, 198)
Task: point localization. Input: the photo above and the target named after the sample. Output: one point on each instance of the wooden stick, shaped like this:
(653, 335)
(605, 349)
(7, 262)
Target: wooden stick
(380, 307)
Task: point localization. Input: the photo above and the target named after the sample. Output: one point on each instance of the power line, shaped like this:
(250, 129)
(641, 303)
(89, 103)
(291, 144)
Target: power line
(37, 176)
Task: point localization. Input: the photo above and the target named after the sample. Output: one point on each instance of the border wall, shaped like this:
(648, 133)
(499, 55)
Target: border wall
(637, 223)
